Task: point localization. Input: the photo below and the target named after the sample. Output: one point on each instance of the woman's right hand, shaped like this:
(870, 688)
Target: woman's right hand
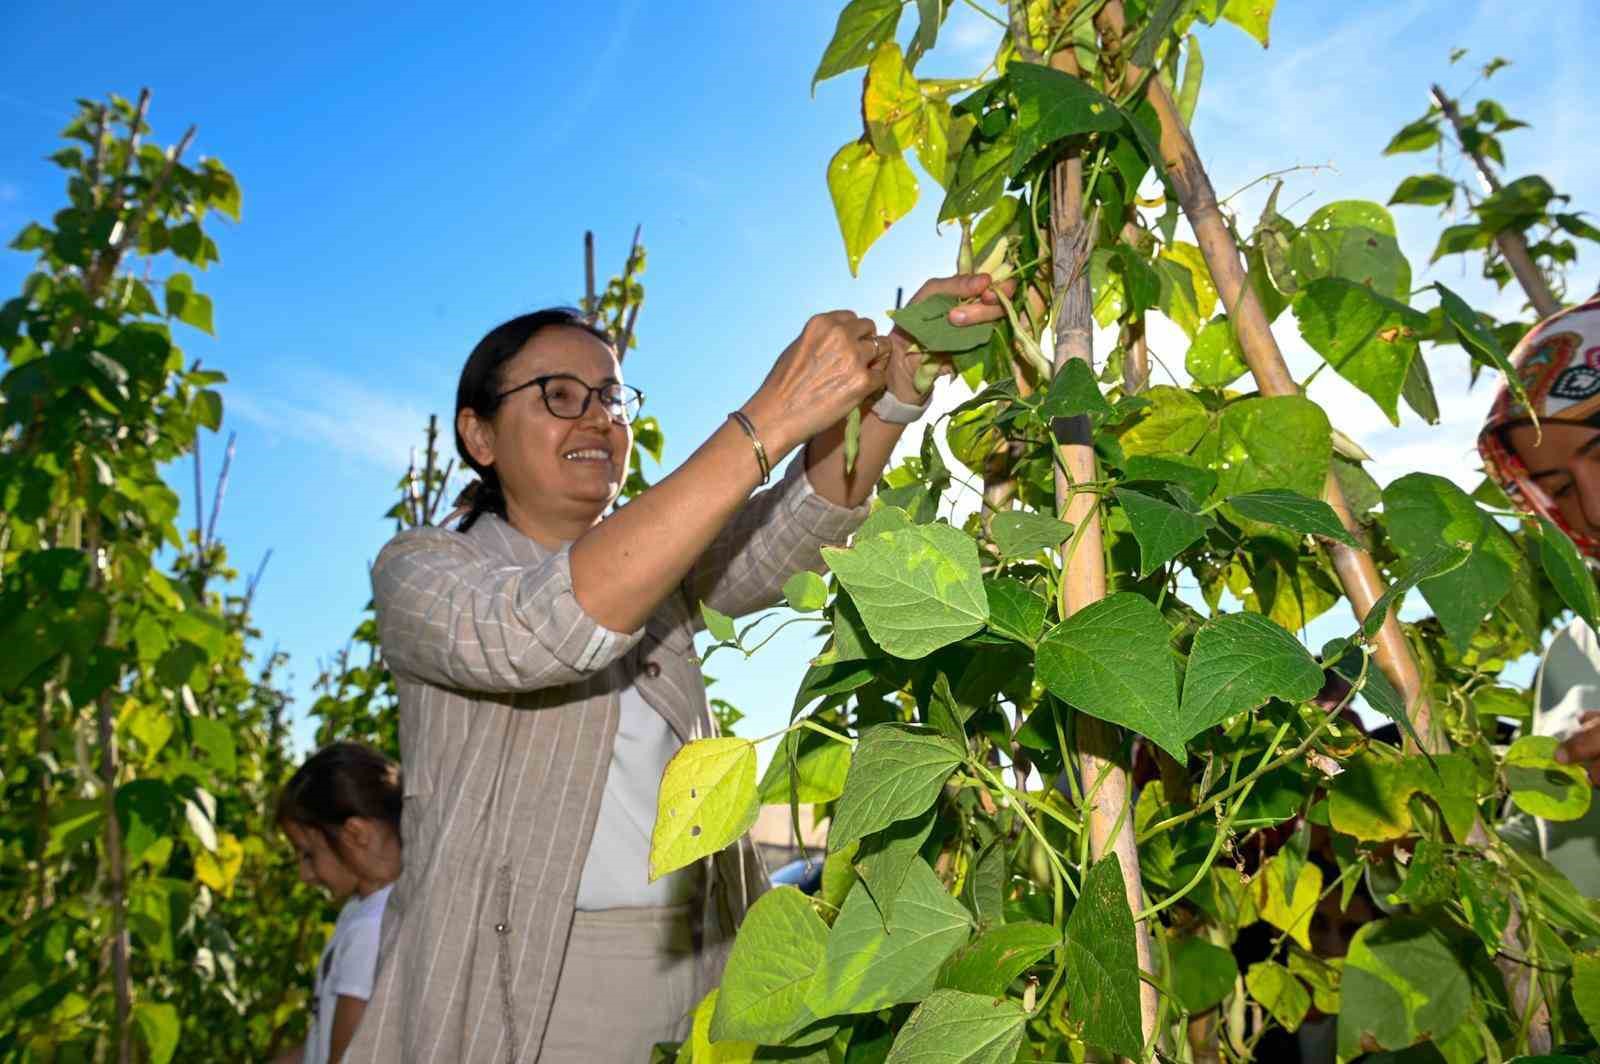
(834, 366)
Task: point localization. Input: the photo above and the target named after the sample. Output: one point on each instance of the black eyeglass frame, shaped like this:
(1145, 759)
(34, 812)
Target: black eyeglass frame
(634, 396)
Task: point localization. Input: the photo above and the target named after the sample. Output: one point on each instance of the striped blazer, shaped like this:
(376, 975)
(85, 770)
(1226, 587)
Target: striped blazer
(508, 712)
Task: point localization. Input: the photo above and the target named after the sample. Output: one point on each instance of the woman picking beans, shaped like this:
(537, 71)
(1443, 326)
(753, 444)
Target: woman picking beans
(543, 654)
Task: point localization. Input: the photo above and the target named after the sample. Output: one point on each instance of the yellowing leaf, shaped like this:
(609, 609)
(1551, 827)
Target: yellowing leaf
(219, 870)
(892, 102)
(1190, 258)
(1252, 16)
(870, 193)
(1279, 908)
(707, 800)
(702, 1050)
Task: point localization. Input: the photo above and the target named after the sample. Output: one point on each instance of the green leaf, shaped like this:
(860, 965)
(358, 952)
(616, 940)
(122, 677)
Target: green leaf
(707, 800)
(1417, 391)
(1429, 190)
(1252, 16)
(1418, 136)
(918, 588)
(159, 1027)
(1215, 359)
(146, 810)
(1586, 988)
(1202, 973)
(951, 1027)
(884, 859)
(1170, 427)
(870, 193)
(1485, 900)
(820, 766)
(805, 591)
(208, 409)
(866, 967)
(1567, 571)
(1238, 661)
(1355, 240)
(187, 305)
(1401, 983)
(1112, 660)
(1072, 392)
(1540, 785)
(1018, 533)
(1284, 909)
(1278, 442)
(979, 175)
(1367, 338)
(990, 963)
(1459, 239)
(1516, 205)
(1015, 609)
(779, 947)
(1424, 511)
(1102, 980)
(862, 26)
(1442, 559)
(700, 1049)
(720, 625)
(1052, 106)
(928, 322)
(1279, 992)
(1162, 530)
(215, 740)
(895, 774)
(1430, 877)
(1286, 509)
(1199, 483)
(1478, 339)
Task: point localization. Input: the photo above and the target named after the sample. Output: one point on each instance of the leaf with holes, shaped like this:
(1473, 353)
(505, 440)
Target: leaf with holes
(707, 800)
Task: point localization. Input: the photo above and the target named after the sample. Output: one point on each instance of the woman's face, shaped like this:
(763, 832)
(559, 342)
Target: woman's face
(1564, 460)
(551, 467)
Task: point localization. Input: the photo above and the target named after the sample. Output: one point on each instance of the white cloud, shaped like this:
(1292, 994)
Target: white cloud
(350, 417)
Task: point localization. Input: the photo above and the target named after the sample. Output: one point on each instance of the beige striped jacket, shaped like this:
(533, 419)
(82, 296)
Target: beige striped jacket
(508, 712)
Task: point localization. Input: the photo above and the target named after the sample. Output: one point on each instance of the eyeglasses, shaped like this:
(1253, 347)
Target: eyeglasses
(565, 396)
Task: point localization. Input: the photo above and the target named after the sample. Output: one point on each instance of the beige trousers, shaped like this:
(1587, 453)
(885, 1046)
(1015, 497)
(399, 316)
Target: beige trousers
(631, 978)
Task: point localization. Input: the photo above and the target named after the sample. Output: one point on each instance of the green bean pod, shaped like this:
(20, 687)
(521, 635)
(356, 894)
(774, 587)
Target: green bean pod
(852, 439)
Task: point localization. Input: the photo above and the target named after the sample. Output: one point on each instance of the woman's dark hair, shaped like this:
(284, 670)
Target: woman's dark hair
(480, 387)
(338, 782)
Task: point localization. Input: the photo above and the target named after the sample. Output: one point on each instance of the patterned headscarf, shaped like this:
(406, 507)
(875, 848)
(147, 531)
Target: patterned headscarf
(1558, 363)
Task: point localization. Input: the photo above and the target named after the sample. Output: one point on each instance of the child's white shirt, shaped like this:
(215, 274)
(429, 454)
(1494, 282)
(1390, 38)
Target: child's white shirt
(347, 967)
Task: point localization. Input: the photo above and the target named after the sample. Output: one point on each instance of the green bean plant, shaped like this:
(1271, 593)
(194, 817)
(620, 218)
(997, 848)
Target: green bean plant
(1090, 793)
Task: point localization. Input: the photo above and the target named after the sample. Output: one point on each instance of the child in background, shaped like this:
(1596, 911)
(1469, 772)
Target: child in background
(341, 812)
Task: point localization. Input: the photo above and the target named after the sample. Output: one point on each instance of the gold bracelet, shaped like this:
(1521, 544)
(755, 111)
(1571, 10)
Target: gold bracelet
(755, 442)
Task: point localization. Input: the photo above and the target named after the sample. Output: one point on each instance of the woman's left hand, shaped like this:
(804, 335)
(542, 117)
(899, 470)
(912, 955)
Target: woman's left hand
(907, 358)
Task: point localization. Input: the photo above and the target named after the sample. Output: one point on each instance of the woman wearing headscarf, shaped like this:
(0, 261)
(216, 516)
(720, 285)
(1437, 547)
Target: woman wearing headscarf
(1552, 470)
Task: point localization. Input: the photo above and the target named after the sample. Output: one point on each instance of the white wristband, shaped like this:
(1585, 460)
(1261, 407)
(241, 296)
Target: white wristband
(894, 412)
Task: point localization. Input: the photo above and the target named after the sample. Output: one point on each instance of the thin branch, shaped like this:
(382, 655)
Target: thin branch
(1513, 245)
(255, 580)
(221, 492)
(199, 499)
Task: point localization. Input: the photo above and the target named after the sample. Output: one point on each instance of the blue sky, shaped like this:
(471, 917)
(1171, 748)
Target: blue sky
(413, 175)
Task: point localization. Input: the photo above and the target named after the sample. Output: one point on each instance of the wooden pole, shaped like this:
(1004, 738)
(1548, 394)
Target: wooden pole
(1102, 759)
(1512, 244)
(1356, 570)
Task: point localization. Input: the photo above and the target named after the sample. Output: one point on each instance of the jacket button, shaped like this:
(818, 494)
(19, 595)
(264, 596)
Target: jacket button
(501, 929)
(652, 669)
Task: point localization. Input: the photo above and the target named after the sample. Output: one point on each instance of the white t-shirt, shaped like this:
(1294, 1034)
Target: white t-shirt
(347, 967)
(616, 873)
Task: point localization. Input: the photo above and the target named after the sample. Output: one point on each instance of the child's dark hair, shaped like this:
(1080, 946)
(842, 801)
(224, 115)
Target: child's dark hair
(338, 782)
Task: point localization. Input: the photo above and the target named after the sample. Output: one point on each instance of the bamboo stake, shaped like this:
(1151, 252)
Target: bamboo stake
(1356, 570)
(1102, 763)
(591, 305)
(1513, 245)
(1357, 573)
